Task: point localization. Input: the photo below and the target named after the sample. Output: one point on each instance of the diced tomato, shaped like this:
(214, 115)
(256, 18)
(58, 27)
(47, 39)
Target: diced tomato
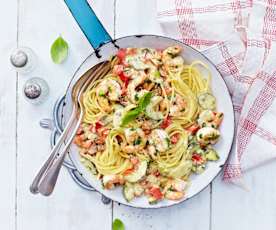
(128, 171)
(87, 144)
(98, 125)
(119, 139)
(102, 135)
(124, 78)
(124, 91)
(134, 160)
(78, 140)
(166, 122)
(168, 90)
(80, 130)
(193, 128)
(131, 51)
(118, 69)
(196, 158)
(157, 173)
(175, 138)
(121, 54)
(156, 193)
(105, 132)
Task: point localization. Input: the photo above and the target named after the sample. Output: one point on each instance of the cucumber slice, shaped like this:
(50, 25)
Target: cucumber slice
(128, 192)
(138, 174)
(207, 101)
(212, 155)
(138, 189)
(152, 200)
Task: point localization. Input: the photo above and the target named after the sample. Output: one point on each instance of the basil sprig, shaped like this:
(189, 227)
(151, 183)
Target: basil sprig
(118, 225)
(133, 114)
(59, 50)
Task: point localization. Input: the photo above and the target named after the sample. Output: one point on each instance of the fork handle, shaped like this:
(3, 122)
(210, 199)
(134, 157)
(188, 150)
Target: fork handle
(48, 182)
(50, 160)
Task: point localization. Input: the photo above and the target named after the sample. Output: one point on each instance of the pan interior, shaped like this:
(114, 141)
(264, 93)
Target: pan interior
(220, 91)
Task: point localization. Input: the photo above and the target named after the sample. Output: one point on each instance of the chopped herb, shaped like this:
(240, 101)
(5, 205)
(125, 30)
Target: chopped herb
(168, 141)
(109, 89)
(182, 110)
(133, 114)
(132, 129)
(157, 74)
(200, 136)
(137, 141)
(144, 101)
(130, 116)
(203, 124)
(220, 115)
(136, 97)
(102, 93)
(118, 225)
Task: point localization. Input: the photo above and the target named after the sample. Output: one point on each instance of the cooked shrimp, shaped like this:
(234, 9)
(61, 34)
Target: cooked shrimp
(208, 118)
(137, 61)
(151, 108)
(133, 134)
(136, 140)
(153, 56)
(178, 106)
(179, 185)
(170, 195)
(117, 118)
(109, 88)
(147, 126)
(163, 105)
(175, 65)
(170, 52)
(207, 135)
(159, 139)
(132, 93)
(151, 151)
(82, 141)
(110, 180)
(148, 86)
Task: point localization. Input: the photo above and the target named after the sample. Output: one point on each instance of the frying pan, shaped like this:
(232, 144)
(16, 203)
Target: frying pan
(104, 47)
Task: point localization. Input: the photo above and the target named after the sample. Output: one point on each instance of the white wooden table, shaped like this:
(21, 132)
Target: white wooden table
(24, 145)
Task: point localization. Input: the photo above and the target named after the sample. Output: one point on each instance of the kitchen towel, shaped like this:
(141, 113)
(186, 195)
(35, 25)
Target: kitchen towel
(239, 37)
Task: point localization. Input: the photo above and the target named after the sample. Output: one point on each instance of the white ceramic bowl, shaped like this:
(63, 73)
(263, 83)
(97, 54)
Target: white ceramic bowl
(220, 91)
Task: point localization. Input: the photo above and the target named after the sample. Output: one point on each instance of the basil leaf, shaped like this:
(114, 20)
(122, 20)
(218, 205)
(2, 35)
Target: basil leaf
(144, 101)
(142, 104)
(118, 225)
(130, 116)
(59, 50)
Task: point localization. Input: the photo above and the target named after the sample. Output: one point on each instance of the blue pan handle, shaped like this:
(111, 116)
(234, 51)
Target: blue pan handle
(88, 22)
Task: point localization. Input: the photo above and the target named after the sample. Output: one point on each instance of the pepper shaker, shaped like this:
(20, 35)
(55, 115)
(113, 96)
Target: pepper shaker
(36, 90)
(23, 60)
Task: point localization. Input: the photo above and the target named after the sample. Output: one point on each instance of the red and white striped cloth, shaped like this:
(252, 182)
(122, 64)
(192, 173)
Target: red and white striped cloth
(239, 36)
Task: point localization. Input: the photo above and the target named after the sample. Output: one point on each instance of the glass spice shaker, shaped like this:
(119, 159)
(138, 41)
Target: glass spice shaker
(23, 60)
(36, 90)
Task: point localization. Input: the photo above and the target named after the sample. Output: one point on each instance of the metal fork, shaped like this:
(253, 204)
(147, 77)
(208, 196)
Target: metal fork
(51, 167)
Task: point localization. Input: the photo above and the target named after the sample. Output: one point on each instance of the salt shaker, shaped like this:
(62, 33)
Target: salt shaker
(23, 60)
(36, 90)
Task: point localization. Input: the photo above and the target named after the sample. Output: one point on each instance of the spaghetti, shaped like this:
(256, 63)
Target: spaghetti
(150, 123)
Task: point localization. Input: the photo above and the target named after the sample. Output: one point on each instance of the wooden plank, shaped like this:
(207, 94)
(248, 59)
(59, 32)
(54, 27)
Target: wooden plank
(136, 17)
(8, 25)
(69, 207)
(236, 208)
(193, 214)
